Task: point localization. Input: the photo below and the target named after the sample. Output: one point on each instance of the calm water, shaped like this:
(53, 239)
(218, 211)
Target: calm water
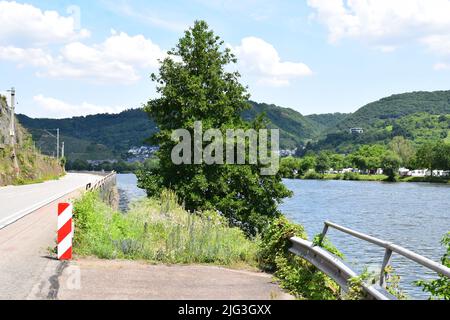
(415, 216)
(128, 190)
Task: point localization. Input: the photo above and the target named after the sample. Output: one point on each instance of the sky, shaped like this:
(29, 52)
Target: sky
(74, 58)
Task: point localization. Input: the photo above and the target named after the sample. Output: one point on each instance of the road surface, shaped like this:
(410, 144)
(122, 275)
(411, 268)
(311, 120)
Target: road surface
(25, 239)
(93, 279)
(16, 201)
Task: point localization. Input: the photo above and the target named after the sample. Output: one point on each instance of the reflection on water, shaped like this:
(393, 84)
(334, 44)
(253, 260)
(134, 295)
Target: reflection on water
(128, 190)
(415, 216)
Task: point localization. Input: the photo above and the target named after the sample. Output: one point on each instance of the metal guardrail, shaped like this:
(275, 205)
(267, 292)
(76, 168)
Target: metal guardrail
(341, 273)
(100, 184)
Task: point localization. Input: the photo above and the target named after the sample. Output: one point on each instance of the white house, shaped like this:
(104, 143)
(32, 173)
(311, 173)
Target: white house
(420, 173)
(356, 130)
(405, 172)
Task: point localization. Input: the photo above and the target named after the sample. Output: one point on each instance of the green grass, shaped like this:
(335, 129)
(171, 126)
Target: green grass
(159, 231)
(347, 177)
(373, 177)
(425, 179)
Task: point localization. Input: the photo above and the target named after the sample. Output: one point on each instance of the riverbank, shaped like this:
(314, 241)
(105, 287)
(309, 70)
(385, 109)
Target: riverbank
(371, 178)
(160, 231)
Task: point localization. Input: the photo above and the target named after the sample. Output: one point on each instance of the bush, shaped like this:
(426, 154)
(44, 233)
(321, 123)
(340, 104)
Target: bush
(158, 230)
(313, 175)
(295, 274)
(351, 176)
(440, 288)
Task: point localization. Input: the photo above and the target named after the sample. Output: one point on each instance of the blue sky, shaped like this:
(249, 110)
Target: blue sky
(69, 58)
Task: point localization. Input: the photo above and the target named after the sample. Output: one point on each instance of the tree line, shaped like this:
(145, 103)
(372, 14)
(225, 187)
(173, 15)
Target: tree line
(400, 152)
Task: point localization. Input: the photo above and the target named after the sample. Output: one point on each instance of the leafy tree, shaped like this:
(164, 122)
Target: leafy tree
(404, 149)
(337, 161)
(290, 167)
(391, 164)
(424, 157)
(307, 163)
(194, 85)
(433, 156)
(441, 156)
(323, 162)
(368, 157)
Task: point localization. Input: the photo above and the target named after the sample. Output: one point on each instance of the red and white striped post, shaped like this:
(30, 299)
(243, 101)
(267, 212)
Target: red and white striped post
(65, 231)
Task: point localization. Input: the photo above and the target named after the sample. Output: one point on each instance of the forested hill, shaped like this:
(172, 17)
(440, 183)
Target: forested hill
(109, 136)
(328, 120)
(397, 106)
(101, 136)
(295, 129)
(417, 116)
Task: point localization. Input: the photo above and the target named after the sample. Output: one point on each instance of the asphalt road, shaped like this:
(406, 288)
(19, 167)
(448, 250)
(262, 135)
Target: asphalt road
(17, 201)
(25, 243)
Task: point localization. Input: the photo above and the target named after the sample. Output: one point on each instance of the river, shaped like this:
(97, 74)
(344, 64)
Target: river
(413, 215)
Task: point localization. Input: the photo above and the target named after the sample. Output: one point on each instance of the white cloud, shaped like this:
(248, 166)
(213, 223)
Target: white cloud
(386, 23)
(439, 44)
(442, 66)
(259, 58)
(59, 109)
(24, 23)
(119, 59)
(23, 57)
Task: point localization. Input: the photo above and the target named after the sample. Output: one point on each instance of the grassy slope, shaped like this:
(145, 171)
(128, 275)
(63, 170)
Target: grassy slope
(159, 231)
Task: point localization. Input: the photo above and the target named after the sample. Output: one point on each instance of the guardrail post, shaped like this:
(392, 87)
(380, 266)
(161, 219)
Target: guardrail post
(324, 234)
(386, 263)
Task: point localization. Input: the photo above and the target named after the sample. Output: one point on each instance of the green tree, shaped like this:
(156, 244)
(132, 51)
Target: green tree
(323, 162)
(307, 163)
(404, 149)
(368, 157)
(194, 85)
(425, 157)
(391, 164)
(290, 167)
(441, 156)
(337, 161)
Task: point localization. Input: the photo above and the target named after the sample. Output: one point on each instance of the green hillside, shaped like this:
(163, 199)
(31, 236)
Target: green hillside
(110, 136)
(327, 120)
(397, 106)
(96, 137)
(295, 129)
(418, 116)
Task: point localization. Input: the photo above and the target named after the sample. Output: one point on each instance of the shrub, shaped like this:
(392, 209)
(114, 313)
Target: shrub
(295, 274)
(440, 288)
(313, 175)
(351, 176)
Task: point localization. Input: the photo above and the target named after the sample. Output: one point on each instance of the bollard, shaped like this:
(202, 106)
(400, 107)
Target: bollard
(65, 231)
